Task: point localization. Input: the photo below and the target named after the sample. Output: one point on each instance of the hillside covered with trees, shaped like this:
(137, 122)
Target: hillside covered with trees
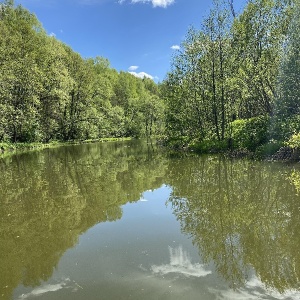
(49, 92)
(234, 84)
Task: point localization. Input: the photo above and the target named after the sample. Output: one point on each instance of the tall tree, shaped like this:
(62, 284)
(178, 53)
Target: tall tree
(258, 34)
(199, 95)
(57, 83)
(287, 112)
(20, 73)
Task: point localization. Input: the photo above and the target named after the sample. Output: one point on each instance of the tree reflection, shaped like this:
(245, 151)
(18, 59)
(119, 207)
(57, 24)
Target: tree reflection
(242, 215)
(49, 198)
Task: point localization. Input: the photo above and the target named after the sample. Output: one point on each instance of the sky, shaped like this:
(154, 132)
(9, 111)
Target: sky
(137, 36)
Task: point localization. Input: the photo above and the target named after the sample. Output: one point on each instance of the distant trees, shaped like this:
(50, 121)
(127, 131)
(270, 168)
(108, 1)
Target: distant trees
(49, 92)
(241, 67)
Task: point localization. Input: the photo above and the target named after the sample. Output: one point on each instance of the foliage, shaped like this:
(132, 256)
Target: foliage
(48, 92)
(258, 34)
(283, 128)
(294, 141)
(223, 81)
(250, 133)
(287, 110)
(209, 146)
(198, 101)
(268, 149)
(229, 76)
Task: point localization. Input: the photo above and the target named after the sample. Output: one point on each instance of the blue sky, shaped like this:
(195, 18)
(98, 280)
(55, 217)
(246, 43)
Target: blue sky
(135, 35)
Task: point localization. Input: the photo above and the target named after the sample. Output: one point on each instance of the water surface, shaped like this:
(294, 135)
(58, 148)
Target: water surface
(125, 220)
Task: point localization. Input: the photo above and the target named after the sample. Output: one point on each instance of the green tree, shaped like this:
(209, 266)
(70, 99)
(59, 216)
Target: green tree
(49, 92)
(258, 36)
(217, 28)
(197, 89)
(57, 83)
(21, 37)
(287, 112)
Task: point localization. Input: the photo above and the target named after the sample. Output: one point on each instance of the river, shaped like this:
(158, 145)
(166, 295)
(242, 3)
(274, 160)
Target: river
(126, 220)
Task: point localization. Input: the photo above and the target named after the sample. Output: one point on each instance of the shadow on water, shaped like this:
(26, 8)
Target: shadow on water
(49, 198)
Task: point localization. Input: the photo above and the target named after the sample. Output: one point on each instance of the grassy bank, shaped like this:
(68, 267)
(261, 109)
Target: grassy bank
(13, 148)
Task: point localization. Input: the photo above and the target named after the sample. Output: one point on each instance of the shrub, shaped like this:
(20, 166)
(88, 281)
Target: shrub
(209, 146)
(268, 149)
(294, 141)
(249, 133)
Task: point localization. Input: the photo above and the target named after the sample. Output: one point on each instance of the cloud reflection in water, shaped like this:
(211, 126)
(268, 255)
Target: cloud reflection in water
(46, 288)
(180, 262)
(253, 290)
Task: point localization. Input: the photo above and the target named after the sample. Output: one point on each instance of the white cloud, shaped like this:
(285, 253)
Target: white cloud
(155, 3)
(133, 68)
(52, 34)
(175, 47)
(141, 75)
(162, 3)
(181, 263)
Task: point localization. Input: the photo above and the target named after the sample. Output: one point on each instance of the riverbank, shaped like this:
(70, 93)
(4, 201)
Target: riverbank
(13, 148)
(271, 151)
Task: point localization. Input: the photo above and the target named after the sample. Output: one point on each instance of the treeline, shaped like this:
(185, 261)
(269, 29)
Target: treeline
(49, 92)
(233, 84)
(235, 81)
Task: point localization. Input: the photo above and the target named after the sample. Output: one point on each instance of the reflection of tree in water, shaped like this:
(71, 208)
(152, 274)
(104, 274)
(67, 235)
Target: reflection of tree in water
(48, 198)
(240, 214)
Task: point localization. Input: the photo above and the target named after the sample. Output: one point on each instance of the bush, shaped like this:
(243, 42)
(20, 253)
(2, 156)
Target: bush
(209, 146)
(294, 141)
(268, 149)
(249, 133)
(177, 143)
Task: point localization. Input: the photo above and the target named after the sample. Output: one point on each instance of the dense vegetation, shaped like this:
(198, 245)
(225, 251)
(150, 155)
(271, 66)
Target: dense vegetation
(49, 92)
(233, 84)
(235, 81)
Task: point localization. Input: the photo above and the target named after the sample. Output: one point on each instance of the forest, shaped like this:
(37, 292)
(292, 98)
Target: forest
(234, 84)
(48, 92)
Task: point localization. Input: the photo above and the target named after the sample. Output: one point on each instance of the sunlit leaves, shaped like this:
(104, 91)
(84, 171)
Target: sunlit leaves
(49, 92)
(197, 91)
(288, 101)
